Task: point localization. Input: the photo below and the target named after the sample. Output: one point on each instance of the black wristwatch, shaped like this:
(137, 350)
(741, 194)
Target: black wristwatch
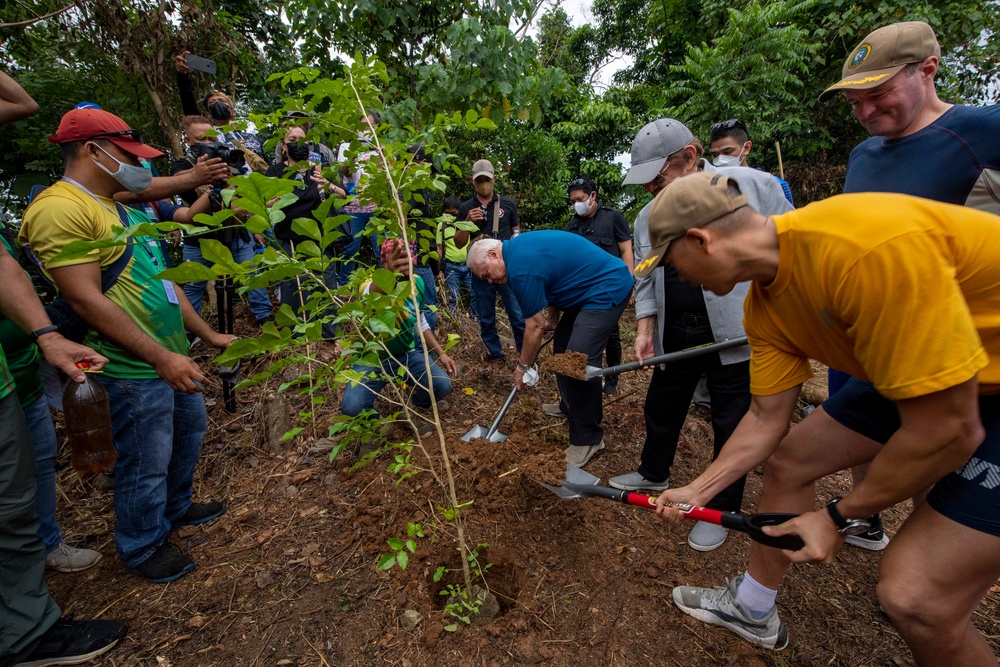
(846, 526)
(38, 333)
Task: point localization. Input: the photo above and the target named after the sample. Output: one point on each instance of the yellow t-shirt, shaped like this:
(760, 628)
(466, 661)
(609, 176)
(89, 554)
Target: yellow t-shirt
(900, 291)
(64, 213)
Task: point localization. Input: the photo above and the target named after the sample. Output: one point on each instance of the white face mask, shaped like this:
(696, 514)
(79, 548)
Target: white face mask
(581, 207)
(725, 161)
(132, 178)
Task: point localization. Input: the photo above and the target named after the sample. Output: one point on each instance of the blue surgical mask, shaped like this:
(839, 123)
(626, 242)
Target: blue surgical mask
(132, 178)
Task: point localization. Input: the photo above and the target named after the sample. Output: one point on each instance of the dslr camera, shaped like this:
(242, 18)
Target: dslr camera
(231, 156)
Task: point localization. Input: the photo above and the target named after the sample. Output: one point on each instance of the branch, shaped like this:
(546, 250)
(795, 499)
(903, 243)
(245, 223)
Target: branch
(40, 18)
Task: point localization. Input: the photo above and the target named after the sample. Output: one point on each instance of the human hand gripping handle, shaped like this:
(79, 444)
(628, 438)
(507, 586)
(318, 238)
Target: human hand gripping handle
(816, 529)
(180, 372)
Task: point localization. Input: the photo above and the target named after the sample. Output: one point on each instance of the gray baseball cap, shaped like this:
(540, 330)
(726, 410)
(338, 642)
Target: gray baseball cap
(652, 146)
(482, 168)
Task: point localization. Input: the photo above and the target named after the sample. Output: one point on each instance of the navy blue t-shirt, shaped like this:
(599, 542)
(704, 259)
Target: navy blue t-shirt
(564, 270)
(951, 160)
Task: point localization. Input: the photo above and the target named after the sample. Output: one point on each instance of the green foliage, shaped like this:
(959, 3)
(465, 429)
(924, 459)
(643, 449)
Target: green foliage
(401, 549)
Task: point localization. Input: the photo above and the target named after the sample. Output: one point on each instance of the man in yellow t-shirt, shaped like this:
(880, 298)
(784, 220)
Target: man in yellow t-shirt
(901, 292)
(138, 322)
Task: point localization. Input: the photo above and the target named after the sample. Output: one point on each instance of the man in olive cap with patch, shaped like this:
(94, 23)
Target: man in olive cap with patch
(919, 146)
(844, 281)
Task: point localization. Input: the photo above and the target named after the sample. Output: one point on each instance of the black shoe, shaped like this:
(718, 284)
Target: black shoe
(200, 513)
(72, 642)
(167, 564)
(610, 388)
(874, 539)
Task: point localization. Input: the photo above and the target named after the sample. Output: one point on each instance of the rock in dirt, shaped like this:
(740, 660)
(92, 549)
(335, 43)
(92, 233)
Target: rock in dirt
(103, 482)
(570, 364)
(410, 620)
(265, 580)
(195, 622)
(292, 491)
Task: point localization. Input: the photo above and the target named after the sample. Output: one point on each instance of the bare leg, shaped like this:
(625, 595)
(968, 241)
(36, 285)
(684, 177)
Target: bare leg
(931, 578)
(816, 447)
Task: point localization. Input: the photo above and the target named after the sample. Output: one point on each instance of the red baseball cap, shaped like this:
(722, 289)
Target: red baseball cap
(84, 124)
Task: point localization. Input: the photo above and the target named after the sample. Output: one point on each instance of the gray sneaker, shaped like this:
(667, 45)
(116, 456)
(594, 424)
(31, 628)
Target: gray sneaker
(65, 558)
(553, 410)
(579, 455)
(718, 606)
(707, 536)
(635, 481)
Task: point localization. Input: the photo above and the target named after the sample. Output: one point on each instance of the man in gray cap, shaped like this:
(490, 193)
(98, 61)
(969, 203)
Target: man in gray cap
(496, 217)
(920, 145)
(673, 315)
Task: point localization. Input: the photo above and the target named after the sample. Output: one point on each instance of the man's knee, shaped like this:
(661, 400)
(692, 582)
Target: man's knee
(911, 606)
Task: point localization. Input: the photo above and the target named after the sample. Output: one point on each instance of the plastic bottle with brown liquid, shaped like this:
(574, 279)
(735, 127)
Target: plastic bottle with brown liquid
(88, 424)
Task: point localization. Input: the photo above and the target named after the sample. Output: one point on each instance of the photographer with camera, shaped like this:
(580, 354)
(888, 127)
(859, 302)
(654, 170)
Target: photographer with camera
(222, 110)
(202, 147)
(300, 162)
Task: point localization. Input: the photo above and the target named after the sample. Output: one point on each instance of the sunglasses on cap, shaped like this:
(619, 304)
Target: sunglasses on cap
(130, 135)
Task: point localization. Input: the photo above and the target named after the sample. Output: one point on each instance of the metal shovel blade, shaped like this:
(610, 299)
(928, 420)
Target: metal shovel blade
(480, 431)
(573, 476)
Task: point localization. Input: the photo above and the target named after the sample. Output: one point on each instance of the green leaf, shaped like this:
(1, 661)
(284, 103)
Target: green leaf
(385, 280)
(386, 561)
(439, 573)
(306, 227)
(292, 433)
(187, 272)
(395, 543)
(215, 251)
(403, 559)
(451, 628)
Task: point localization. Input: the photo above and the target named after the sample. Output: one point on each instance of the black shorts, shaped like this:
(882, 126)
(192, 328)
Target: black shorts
(970, 495)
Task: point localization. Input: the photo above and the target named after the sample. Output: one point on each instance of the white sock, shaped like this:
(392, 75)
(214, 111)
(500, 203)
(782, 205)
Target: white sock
(755, 599)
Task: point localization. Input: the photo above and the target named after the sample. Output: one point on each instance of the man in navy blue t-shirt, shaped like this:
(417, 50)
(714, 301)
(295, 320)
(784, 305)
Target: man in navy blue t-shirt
(555, 273)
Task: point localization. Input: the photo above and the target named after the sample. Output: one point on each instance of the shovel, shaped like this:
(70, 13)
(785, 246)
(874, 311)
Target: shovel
(491, 433)
(595, 372)
(580, 484)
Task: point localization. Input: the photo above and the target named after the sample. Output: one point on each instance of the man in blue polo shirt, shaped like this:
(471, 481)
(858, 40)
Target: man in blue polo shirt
(564, 282)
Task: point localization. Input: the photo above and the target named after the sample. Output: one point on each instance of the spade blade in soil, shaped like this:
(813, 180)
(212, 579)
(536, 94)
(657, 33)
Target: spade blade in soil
(477, 431)
(575, 476)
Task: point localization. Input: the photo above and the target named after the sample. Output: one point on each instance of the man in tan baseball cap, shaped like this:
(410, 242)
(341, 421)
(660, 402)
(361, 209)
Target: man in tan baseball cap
(843, 281)
(883, 54)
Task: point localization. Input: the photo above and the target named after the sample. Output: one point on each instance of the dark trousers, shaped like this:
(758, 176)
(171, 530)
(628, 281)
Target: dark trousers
(27, 610)
(585, 331)
(669, 397)
(613, 355)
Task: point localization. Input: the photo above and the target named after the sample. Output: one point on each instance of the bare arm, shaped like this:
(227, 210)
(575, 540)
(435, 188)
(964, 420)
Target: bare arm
(204, 172)
(194, 323)
(185, 215)
(81, 285)
(627, 256)
(645, 330)
(15, 104)
(534, 332)
(20, 304)
(756, 437)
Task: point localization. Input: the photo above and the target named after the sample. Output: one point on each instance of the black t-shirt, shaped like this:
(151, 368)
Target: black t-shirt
(178, 166)
(681, 297)
(508, 215)
(606, 229)
(307, 200)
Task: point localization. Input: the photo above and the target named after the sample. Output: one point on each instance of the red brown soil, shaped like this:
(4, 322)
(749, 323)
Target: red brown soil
(572, 364)
(288, 576)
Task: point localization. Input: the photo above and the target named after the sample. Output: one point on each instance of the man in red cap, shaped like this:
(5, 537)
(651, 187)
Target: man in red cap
(138, 322)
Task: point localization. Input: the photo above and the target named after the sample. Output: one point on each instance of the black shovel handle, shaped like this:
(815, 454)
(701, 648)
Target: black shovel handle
(751, 524)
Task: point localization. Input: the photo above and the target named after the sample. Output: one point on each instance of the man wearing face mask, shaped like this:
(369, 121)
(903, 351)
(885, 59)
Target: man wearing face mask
(221, 109)
(673, 315)
(138, 322)
(730, 145)
(496, 217)
(606, 228)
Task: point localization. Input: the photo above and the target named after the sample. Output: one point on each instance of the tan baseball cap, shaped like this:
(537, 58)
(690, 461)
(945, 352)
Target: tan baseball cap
(883, 54)
(691, 201)
(483, 168)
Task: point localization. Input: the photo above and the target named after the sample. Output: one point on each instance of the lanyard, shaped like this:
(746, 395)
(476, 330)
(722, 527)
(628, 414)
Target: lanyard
(126, 221)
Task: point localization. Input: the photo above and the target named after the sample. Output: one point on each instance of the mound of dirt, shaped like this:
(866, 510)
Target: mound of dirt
(571, 364)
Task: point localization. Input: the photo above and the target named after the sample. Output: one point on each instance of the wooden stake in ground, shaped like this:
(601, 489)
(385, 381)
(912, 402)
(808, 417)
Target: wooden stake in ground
(781, 166)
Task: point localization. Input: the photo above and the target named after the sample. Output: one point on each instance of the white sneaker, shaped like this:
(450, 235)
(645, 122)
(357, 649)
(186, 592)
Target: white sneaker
(874, 539)
(65, 558)
(707, 536)
(718, 606)
(579, 455)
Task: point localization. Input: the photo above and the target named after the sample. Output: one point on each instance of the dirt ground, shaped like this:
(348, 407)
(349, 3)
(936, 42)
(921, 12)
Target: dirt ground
(288, 576)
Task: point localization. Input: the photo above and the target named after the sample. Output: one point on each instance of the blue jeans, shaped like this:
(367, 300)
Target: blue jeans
(485, 299)
(44, 446)
(361, 396)
(158, 434)
(430, 296)
(457, 275)
(296, 298)
(358, 223)
(260, 304)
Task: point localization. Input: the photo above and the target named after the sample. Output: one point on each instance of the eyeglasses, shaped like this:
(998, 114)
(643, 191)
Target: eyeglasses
(729, 124)
(132, 135)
